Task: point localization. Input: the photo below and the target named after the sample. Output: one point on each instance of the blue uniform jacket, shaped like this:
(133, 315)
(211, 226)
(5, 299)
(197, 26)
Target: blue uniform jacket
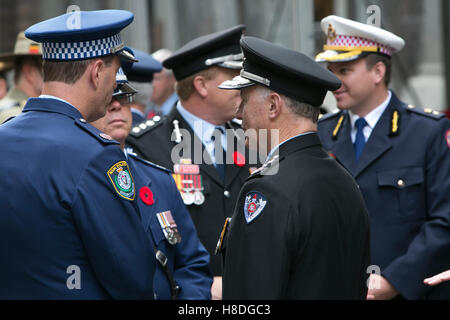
(65, 230)
(404, 176)
(188, 260)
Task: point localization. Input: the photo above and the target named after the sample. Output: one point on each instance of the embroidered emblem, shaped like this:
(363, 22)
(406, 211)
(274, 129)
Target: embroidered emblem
(122, 180)
(254, 205)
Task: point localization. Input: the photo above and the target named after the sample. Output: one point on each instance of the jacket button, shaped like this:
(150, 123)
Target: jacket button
(226, 193)
(401, 183)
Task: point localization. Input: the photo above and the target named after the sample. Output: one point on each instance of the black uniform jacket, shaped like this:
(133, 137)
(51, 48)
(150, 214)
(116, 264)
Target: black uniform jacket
(155, 144)
(310, 241)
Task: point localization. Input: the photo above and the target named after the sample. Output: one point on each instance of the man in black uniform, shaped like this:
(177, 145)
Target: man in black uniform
(300, 228)
(208, 187)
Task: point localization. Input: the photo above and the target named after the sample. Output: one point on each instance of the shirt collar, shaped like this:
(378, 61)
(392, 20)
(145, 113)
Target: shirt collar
(168, 104)
(201, 128)
(373, 116)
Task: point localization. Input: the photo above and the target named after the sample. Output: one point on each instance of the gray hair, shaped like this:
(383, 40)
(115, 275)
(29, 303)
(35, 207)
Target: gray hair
(298, 108)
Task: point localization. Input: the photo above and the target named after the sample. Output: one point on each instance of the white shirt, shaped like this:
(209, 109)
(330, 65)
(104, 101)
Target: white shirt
(204, 130)
(371, 118)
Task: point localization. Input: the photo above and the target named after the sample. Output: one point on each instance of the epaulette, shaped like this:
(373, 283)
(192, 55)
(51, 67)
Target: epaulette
(145, 126)
(268, 168)
(334, 113)
(99, 135)
(430, 113)
(134, 156)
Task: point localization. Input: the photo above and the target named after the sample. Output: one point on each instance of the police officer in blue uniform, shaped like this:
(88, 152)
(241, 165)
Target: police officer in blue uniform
(399, 155)
(70, 227)
(183, 263)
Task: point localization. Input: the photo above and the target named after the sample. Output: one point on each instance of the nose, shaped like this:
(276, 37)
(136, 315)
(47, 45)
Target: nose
(238, 114)
(114, 105)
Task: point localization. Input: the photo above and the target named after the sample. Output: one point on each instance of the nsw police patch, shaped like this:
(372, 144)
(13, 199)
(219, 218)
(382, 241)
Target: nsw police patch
(122, 180)
(254, 205)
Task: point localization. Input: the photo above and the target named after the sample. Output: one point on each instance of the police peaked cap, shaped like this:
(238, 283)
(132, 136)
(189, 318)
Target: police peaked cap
(220, 49)
(283, 70)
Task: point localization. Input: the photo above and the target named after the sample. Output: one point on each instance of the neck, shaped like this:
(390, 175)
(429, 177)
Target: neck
(198, 107)
(288, 128)
(377, 97)
(27, 88)
(70, 93)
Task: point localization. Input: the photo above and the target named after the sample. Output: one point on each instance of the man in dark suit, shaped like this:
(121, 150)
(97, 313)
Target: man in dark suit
(300, 229)
(398, 154)
(188, 139)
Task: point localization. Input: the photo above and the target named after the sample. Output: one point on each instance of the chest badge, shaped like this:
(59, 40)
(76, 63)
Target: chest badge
(169, 227)
(254, 205)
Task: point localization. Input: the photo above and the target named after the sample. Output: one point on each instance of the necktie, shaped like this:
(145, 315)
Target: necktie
(219, 153)
(360, 140)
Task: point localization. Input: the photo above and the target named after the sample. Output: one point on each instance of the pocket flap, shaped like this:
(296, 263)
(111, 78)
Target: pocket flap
(400, 178)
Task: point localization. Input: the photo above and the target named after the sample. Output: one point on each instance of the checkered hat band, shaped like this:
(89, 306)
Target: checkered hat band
(355, 42)
(80, 50)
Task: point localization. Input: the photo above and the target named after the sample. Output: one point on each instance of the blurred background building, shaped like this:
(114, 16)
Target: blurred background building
(421, 74)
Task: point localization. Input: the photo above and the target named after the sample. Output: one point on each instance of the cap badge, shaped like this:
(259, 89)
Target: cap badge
(331, 33)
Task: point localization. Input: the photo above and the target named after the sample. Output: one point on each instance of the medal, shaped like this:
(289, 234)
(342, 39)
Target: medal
(199, 197)
(169, 227)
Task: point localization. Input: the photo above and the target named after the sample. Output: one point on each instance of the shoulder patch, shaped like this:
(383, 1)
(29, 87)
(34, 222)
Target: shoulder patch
(255, 203)
(145, 126)
(122, 180)
(99, 135)
(134, 156)
(428, 112)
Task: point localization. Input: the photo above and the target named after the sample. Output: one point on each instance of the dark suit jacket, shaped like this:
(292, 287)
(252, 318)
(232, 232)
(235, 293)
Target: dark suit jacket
(310, 241)
(154, 144)
(405, 180)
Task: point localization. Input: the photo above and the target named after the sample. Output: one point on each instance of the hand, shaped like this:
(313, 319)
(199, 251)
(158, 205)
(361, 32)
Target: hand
(216, 289)
(380, 288)
(439, 278)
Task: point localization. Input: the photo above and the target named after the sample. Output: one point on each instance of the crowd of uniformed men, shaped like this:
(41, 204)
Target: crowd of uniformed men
(104, 198)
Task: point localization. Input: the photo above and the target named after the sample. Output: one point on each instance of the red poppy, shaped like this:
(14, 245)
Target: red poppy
(239, 159)
(146, 195)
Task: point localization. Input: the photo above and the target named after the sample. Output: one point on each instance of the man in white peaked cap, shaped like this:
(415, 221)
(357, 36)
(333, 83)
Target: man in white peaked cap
(399, 156)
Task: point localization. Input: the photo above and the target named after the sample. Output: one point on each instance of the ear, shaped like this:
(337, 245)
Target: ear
(95, 70)
(276, 102)
(200, 85)
(379, 70)
(28, 72)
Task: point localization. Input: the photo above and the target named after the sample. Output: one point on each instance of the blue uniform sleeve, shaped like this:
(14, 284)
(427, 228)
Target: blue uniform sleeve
(191, 265)
(428, 253)
(109, 225)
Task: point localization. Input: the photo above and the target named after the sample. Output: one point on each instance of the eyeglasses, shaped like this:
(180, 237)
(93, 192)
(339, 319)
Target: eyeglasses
(124, 98)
